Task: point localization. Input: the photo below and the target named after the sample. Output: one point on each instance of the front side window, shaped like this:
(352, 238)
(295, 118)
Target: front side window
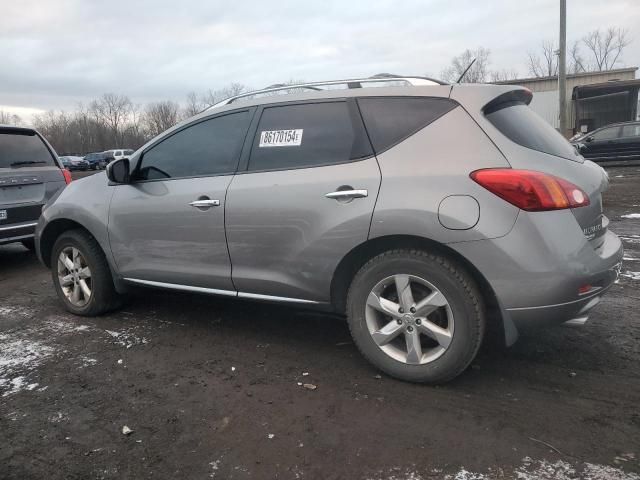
(23, 149)
(211, 147)
(306, 135)
(607, 134)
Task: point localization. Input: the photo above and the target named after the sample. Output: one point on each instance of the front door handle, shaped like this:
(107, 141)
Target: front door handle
(346, 194)
(205, 203)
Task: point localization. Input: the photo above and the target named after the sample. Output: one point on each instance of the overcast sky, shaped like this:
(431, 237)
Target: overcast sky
(56, 53)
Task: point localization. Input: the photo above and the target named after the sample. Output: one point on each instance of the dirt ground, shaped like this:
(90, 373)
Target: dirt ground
(210, 389)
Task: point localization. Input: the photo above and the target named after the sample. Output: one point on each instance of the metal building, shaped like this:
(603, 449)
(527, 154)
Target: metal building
(594, 99)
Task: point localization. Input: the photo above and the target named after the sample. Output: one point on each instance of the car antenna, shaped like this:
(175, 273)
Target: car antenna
(466, 70)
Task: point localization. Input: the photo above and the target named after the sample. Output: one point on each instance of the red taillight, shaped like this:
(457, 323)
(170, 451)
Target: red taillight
(530, 190)
(67, 176)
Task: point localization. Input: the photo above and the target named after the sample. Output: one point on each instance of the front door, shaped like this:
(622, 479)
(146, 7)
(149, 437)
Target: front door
(304, 200)
(167, 226)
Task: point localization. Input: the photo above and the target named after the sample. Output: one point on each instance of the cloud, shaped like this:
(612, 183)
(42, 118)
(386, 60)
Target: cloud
(57, 53)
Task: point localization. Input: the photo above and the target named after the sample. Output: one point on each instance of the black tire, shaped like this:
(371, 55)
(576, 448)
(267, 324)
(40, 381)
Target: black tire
(454, 283)
(29, 244)
(104, 297)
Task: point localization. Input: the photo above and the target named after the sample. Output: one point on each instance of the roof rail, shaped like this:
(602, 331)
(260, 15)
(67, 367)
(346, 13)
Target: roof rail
(317, 86)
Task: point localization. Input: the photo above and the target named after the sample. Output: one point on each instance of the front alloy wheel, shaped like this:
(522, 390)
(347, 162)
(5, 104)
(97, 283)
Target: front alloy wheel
(74, 277)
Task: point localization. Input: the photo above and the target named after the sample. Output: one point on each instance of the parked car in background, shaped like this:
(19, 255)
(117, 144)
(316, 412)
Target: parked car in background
(30, 174)
(73, 163)
(97, 160)
(361, 200)
(117, 154)
(615, 142)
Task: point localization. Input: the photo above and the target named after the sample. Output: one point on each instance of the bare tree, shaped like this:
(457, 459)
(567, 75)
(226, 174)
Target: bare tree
(478, 73)
(7, 118)
(503, 75)
(545, 65)
(113, 110)
(193, 106)
(605, 47)
(577, 63)
(160, 116)
(212, 97)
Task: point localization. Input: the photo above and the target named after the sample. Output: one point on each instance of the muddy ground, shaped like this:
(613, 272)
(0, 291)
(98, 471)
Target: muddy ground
(210, 389)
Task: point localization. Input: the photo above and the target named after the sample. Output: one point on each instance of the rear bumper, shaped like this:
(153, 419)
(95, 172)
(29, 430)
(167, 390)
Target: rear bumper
(538, 269)
(576, 311)
(17, 232)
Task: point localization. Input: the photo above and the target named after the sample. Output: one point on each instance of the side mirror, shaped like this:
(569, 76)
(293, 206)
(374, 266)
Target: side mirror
(118, 171)
(589, 139)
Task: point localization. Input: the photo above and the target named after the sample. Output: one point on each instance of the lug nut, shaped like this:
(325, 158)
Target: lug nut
(412, 309)
(399, 322)
(418, 321)
(401, 310)
(409, 329)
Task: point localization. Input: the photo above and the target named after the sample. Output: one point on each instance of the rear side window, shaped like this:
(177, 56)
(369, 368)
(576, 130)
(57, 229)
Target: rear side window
(389, 120)
(631, 130)
(522, 125)
(307, 135)
(207, 148)
(18, 149)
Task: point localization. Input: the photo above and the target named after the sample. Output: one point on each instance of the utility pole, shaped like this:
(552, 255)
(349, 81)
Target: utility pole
(562, 68)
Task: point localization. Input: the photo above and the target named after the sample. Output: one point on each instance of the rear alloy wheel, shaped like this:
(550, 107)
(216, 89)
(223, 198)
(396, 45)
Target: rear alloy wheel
(81, 275)
(420, 329)
(416, 316)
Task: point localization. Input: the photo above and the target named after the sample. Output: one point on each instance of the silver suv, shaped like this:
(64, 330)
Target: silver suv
(423, 213)
(30, 174)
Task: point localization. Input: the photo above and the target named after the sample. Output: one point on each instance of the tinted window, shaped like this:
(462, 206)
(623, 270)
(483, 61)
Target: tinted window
(313, 134)
(522, 125)
(631, 130)
(389, 120)
(607, 134)
(23, 150)
(211, 147)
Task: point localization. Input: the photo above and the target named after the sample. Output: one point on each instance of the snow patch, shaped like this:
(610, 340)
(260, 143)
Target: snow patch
(631, 275)
(631, 215)
(127, 339)
(528, 470)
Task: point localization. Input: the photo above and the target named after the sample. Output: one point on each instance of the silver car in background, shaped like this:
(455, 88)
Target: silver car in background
(422, 212)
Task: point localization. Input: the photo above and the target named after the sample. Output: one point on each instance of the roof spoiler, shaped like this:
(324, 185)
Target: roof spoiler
(507, 99)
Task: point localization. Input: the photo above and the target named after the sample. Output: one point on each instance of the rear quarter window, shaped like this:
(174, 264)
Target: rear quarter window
(23, 149)
(516, 121)
(389, 120)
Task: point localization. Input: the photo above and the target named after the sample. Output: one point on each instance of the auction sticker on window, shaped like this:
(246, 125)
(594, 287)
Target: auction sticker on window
(281, 138)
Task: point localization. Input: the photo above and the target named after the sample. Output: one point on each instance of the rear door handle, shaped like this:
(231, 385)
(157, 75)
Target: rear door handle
(205, 203)
(343, 194)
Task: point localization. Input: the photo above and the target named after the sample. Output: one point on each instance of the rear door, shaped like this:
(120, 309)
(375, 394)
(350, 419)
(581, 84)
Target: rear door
(29, 175)
(303, 201)
(167, 226)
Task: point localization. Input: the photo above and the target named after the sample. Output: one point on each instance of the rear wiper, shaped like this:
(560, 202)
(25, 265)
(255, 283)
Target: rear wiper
(28, 162)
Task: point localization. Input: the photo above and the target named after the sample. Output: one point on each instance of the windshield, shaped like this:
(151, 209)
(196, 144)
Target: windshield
(23, 149)
(523, 126)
